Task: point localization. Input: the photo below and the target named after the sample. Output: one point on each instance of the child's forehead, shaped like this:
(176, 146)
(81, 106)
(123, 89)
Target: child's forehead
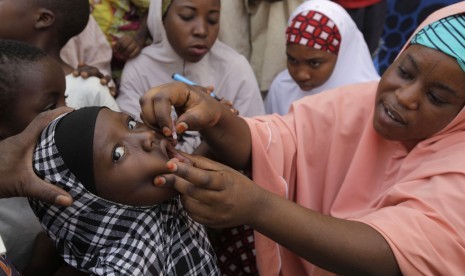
(197, 3)
(111, 123)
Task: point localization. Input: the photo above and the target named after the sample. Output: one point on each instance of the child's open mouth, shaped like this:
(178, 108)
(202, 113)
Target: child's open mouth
(171, 152)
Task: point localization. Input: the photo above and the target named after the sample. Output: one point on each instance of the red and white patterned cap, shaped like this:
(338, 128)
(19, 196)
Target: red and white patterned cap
(314, 29)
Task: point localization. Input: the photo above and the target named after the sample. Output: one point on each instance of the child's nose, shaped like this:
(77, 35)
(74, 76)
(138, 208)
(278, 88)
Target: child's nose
(200, 28)
(148, 140)
(303, 75)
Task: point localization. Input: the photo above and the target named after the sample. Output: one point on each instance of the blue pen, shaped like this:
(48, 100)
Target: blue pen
(181, 78)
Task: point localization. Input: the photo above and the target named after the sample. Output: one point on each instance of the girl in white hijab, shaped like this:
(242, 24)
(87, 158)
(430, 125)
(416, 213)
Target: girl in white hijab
(192, 27)
(325, 50)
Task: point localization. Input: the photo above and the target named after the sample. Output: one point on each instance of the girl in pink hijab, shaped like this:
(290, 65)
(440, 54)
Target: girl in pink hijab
(362, 179)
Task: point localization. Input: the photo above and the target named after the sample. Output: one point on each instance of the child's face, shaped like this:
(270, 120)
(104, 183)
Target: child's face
(309, 67)
(127, 157)
(192, 27)
(16, 19)
(42, 88)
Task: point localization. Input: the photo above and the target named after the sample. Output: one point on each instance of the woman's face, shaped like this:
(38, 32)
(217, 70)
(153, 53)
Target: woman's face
(127, 156)
(419, 95)
(309, 67)
(192, 27)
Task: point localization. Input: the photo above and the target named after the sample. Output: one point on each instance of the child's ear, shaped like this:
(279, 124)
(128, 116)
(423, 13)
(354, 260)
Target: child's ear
(45, 19)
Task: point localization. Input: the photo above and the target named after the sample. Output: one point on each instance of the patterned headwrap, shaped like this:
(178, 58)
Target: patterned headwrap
(164, 6)
(314, 29)
(446, 35)
(101, 237)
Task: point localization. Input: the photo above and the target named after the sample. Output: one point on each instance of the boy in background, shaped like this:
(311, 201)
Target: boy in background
(31, 82)
(49, 25)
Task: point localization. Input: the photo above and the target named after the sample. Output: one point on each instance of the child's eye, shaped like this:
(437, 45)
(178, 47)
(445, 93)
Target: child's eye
(186, 17)
(132, 124)
(213, 20)
(315, 64)
(291, 60)
(118, 153)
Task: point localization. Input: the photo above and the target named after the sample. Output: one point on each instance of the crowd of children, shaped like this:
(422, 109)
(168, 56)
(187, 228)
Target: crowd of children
(100, 58)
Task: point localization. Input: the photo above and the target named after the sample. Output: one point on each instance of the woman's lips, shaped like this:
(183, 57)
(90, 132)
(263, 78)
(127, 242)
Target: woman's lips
(394, 115)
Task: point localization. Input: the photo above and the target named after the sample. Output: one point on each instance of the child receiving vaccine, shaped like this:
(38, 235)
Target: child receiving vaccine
(324, 50)
(119, 222)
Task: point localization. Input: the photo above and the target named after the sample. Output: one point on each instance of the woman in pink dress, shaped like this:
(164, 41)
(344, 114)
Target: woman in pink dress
(361, 179)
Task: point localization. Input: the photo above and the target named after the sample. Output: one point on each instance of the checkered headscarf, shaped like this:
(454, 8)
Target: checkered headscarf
(106, 238)
(314, 29)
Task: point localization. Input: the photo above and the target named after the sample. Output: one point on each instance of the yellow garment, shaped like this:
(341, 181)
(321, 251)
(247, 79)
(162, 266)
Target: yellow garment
(165, 6)
(117, 17)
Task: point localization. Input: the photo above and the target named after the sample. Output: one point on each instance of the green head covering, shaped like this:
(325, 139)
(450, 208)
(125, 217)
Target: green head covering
(164, 6)
(446, 35)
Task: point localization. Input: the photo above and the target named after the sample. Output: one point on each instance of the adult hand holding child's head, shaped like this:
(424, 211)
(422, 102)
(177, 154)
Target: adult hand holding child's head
(17, 177)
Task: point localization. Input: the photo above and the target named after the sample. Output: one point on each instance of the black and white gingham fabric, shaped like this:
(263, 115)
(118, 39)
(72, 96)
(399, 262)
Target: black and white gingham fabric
(104, 238)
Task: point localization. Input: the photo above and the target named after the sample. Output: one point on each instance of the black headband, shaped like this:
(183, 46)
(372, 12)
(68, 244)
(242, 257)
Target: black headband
(74, 138)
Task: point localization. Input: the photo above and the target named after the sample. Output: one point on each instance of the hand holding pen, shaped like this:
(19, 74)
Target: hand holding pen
(181, 78)
(195, 108)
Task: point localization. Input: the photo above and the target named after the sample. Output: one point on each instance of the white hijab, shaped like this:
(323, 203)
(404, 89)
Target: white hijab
(354, 63)
(225, 69)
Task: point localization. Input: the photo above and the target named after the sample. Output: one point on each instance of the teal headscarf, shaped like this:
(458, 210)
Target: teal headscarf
(446, 35)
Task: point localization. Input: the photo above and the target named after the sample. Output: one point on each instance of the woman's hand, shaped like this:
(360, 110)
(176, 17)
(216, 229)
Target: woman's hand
(219, 197)
(17, 177)
(227, 135)
(213, 194)
(195, 108)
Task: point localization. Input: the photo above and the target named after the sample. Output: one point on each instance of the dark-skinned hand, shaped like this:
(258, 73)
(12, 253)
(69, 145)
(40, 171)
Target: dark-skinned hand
(17, 177)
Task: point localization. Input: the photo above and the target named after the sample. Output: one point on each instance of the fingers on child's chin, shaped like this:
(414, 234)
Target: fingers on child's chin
(164, 181)
(180, 158)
